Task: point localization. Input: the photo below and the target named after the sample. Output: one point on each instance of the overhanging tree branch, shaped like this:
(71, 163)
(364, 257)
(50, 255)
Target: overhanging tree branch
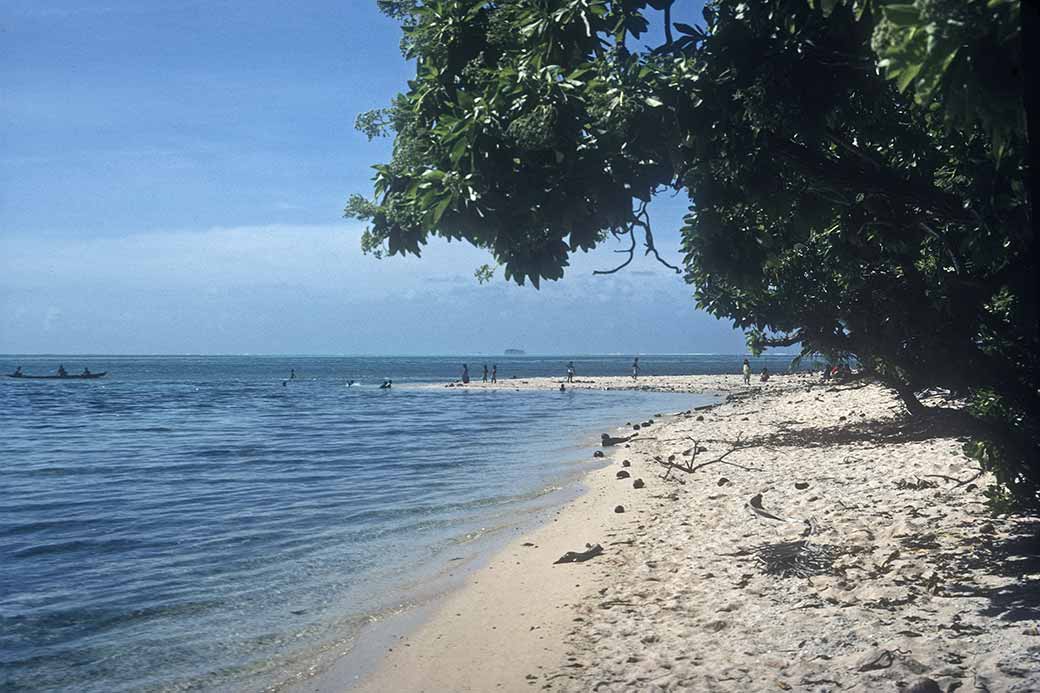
(631, 254)
(641, 219)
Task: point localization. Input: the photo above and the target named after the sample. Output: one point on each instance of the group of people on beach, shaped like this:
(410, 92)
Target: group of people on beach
(840, 372)
(830, 372)
(763, 377)
(492, 374)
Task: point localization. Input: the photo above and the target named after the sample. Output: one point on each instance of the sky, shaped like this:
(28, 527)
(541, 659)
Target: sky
(172, 180)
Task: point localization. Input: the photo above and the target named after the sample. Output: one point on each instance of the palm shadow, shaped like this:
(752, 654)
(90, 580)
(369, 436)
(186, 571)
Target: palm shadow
(1016, 556)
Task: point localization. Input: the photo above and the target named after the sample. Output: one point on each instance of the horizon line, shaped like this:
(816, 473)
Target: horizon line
(371, 355)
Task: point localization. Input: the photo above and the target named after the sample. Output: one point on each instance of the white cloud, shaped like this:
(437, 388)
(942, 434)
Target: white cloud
(285, 288)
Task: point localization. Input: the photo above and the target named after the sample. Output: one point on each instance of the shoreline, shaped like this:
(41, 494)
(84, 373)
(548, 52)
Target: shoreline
(381, 634)
(464, 626)
(421, 598)
(918, 579)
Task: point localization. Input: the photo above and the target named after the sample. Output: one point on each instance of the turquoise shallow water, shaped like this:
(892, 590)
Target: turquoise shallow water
(189, 523)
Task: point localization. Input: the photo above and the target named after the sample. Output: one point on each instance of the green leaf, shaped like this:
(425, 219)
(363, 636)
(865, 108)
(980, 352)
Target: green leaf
(902, 15)
(440, 208)
(458, 150)
(906, 76)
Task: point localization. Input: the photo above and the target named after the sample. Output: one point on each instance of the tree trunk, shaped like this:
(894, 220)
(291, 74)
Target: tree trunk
(909, 397)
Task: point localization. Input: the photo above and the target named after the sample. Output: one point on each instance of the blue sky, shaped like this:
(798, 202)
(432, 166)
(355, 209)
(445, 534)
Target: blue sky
(172, 178)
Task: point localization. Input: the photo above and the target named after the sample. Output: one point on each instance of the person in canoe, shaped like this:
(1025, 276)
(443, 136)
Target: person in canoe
(17, 372)
(86, 371)
(387, 384)
(61, 371)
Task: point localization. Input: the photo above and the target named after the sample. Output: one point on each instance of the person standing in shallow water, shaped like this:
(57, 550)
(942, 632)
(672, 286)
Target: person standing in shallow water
(465, 373)
(494, 373)
(635, 368)
(485, 373)
(570, 371)
(747, 372)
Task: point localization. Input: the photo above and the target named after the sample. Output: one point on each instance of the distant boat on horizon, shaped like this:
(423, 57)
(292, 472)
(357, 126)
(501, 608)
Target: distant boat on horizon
(515, 352)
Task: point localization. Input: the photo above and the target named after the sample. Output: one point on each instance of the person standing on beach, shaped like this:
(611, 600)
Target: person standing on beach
(635, 368)
(747, 372)
(465, 373)
(494, 373)
(485, 373)
(570, 371)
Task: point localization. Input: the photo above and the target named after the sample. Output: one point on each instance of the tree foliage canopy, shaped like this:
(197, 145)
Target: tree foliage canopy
(856, 171)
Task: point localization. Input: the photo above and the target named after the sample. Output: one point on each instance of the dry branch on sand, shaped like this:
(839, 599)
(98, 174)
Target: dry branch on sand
(673, 461)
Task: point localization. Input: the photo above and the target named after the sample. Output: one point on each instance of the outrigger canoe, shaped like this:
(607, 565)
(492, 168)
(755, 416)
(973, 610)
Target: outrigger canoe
(79, 376)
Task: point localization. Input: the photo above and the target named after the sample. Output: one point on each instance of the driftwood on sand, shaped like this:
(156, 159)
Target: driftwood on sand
(609, 440)
(591, 551)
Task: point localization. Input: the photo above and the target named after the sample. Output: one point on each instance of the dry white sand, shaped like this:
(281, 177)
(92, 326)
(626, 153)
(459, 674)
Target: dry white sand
(650, 383)
(923, 583)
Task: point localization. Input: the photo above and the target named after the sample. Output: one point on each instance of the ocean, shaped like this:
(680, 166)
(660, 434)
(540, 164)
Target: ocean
(192, 523)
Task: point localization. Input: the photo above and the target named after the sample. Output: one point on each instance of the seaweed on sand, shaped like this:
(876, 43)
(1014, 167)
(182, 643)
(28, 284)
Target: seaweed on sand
(800, 558)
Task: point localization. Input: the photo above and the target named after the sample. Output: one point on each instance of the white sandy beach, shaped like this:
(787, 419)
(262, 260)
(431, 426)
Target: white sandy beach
(650, 383)
(916, 579)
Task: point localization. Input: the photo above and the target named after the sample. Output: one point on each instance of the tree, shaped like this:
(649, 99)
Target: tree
(855, 170)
